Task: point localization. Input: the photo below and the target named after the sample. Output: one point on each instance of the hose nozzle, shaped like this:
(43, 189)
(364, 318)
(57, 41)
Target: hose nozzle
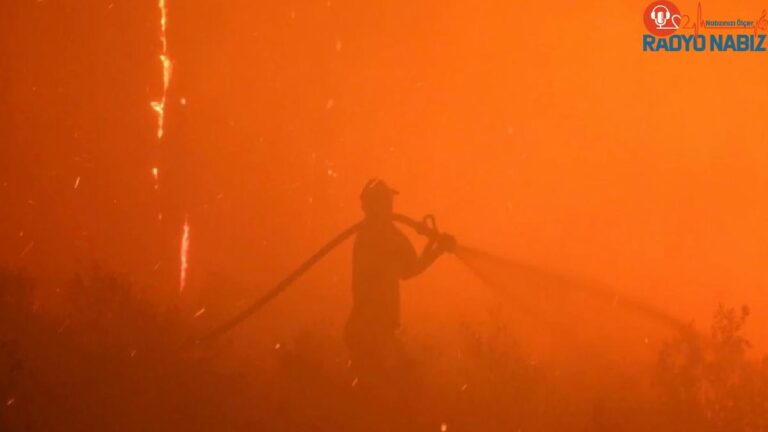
(428, 228)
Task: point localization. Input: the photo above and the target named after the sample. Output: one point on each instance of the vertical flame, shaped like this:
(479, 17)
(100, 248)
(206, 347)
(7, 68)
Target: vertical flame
(184, 254)
(159, 106)
(163, 15)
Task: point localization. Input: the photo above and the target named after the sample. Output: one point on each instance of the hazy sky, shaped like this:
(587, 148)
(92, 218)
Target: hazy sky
(536, 130)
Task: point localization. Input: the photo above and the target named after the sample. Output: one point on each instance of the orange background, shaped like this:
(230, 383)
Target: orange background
(536, 130)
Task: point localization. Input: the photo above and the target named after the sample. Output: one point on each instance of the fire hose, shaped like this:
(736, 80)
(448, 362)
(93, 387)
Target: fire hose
(558, 283)
(427, 227)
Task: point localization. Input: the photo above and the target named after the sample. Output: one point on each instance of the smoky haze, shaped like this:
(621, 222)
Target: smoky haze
(538, 133)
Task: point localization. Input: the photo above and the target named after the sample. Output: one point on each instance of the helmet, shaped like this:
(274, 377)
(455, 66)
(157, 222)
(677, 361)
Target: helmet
(376, 197)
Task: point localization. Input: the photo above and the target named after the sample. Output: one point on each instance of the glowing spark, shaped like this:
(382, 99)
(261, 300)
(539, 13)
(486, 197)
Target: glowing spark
(443, 427)
(63, 326)
(354, 382)
(184, 254)
(10, 401)
(329, 104)
(155, 175)
(198, 313)
(27, 249)
(77, 182)
(277, 346)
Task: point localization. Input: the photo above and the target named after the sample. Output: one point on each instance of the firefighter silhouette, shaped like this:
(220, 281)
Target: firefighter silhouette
(382, 256)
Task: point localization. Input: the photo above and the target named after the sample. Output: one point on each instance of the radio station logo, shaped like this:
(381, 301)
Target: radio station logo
(669, 29)
(662, 18)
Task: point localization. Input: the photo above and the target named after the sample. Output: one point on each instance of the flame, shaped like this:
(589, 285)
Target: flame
(184, 254)
(163, 21)
(159, 105)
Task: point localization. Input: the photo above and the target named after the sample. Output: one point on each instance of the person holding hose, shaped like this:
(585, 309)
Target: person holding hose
(382, 256)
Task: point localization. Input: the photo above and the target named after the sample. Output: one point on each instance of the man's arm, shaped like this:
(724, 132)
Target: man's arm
(413, 265)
